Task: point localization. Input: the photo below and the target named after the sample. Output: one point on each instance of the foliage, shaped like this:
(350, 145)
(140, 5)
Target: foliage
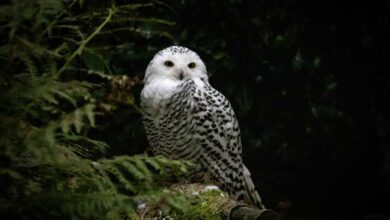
(57, 84)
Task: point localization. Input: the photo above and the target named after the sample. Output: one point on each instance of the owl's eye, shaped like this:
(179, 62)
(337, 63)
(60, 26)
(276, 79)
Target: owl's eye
(168, 63)
(191, 65)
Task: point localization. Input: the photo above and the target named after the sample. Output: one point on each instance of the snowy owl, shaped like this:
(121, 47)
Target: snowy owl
(186, 118)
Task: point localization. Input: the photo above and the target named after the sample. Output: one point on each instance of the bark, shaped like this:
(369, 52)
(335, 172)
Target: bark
(252, 213)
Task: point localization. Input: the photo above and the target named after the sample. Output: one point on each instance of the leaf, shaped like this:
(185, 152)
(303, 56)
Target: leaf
(93, 60)
(331, 86)
(10, 172)
(317, 62)
(78, 120)
(90, 114)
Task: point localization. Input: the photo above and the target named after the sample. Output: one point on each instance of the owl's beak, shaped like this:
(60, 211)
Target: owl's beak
(181, 75)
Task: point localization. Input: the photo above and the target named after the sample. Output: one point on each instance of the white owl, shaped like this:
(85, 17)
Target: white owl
(186, 118)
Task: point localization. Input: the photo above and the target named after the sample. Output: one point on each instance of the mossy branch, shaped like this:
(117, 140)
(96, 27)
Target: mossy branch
(207, 202)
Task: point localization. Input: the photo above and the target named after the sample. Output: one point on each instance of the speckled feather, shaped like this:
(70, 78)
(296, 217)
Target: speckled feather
(186, 118)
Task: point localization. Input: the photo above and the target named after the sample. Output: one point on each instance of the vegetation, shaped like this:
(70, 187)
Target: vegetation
(56, 64)
(306, 79)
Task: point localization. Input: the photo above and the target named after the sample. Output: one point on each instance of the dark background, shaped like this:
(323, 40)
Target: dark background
(307, 80)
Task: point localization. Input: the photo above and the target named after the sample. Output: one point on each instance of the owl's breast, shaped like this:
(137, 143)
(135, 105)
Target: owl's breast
(170, 125)
(156, 94)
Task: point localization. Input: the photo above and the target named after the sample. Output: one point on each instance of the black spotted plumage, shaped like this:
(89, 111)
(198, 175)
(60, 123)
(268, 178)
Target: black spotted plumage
(186, 118)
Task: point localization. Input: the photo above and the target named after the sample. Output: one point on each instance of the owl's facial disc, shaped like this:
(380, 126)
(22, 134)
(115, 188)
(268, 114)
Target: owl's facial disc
(176, 71)
(181, 67)
(176, 64)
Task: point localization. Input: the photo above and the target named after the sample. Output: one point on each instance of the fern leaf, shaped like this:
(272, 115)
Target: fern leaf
(32, 48)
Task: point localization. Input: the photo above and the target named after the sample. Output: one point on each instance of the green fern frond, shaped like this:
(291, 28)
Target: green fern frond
(123, 21)
(28, 63)
(81, 145)
(134, 6)
(73, 28)
(76, 119)
(49, 7)
(145, 33)
(23, 45)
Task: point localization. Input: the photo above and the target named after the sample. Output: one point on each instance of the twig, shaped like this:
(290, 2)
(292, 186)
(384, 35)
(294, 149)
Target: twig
(111, 11)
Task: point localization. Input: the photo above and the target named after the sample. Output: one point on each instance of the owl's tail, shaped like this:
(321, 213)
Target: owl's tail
(251, 195)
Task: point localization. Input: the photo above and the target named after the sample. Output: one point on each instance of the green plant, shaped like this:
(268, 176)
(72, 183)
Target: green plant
(56, 64)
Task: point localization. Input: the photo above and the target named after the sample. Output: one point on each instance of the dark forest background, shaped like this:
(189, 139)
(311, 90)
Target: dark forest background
(307, 79)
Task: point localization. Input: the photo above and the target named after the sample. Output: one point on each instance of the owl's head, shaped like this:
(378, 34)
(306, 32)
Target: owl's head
(177, 64)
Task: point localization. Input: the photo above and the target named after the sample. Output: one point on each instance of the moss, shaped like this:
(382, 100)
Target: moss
(199, 203)
(207, 205)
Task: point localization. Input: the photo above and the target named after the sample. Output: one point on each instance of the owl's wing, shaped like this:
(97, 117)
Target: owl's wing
(218, 134)
(219, 137)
